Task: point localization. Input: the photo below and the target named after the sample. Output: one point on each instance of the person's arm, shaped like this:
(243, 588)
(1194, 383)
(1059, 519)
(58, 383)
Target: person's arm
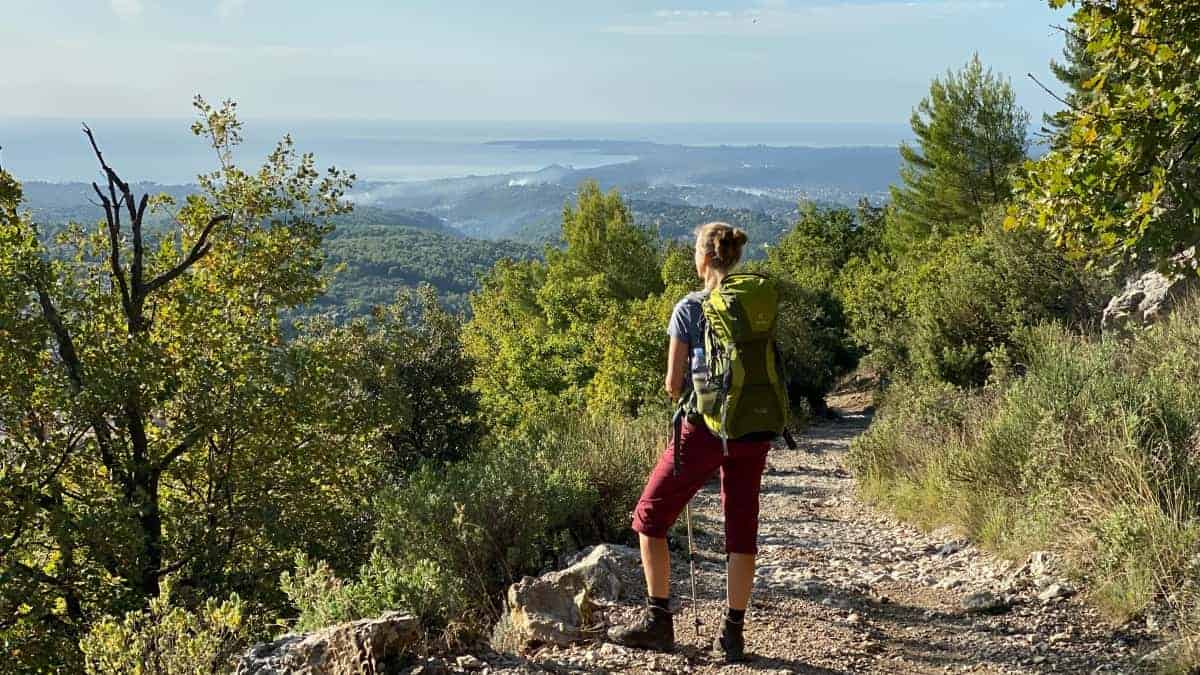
(677, 363)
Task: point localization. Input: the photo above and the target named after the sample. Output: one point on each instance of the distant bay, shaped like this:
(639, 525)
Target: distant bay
(164, 151)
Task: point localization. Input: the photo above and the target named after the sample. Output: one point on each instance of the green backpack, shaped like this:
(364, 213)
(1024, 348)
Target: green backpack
(744, 392)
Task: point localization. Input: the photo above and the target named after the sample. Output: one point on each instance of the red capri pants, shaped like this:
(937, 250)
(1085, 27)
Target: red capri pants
(666, 494)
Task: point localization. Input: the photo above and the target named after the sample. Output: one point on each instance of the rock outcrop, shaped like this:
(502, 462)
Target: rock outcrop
(557, 608)
(1149, 297)
(379, 645)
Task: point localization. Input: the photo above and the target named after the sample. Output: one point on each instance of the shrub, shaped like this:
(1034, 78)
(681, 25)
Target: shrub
(614, 457)
(941, 313)
(452, 537)
(169, 640)
(1092, 452)
(976, 290)
(381, 585)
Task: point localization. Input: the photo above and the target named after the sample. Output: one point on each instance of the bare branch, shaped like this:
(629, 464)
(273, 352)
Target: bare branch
(136, 215)
(199, 249)
(184, 445)
(114, 254)
(108, 172)
(70, 360)
(1055, 96)
(1187, 150)
(66, 346)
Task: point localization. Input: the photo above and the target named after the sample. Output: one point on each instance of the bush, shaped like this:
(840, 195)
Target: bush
(977, 290)
(809, 262)
(454, 536)
(381, 585)
(1092, 452)
(614, 457)
(941, 313)
(168, 640)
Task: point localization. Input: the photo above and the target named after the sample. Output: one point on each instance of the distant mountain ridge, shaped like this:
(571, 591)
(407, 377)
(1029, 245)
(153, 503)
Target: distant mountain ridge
(766, 179)
(449, 231)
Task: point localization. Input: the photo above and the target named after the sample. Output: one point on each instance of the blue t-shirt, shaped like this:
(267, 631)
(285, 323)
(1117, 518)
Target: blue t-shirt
(686, 324)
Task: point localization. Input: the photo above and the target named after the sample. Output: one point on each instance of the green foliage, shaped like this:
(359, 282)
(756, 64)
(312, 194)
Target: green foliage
(677, 223)
(1120, 182)
(628, 350)
(1075, 71)
(153, 417)
(170, 640)
(375, 262)
(971, 134)
(535, 326)
(1090, 452)
(812, 340)
(824, 241)
(679, 269)
(453, 536)
(975, 293)
(937, 286)
(602, 239)
(381, 585)
(873, 294)
(402, 380)
(939, 315)
(487, 520)
(811, 261)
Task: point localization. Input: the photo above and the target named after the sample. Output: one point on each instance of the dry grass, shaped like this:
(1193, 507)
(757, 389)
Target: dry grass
(1092, 452)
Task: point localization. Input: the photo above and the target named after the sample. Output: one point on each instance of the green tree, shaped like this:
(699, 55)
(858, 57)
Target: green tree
(602, 239)
(824, 240)
(1120, 183)
(152, 418)
(1074, 71)
(679, 269)
(970, 135)
(813, 327)
(541, 331)
(169, 640)
(403, 379)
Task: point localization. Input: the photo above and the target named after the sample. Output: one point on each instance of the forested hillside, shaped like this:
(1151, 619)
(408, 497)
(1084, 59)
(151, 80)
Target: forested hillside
(375, 262)
(371, 254)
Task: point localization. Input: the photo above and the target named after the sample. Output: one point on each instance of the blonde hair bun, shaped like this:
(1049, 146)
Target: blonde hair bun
(721, 242)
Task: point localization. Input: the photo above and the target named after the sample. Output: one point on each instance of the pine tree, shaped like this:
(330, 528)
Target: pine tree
(1073, 71)
(970, 134)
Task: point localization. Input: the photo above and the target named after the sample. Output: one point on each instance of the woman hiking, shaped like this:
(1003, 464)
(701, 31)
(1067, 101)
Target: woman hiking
(676, 479)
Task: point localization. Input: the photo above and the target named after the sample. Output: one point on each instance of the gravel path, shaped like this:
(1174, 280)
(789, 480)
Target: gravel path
(843, 588)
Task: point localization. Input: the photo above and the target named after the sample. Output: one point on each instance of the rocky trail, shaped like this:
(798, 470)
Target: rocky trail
(844, 588)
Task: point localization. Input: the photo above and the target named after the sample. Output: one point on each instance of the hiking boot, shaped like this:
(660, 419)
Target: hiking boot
(730, 644)
(654, 628)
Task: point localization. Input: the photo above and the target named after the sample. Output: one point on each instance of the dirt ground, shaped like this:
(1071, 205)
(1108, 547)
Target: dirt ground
(844, 588)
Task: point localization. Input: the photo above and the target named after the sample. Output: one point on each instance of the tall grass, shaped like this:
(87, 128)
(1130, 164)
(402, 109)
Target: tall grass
(1094, 452)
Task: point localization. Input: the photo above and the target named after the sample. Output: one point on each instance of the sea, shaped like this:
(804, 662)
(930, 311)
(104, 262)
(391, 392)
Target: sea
(164, 150)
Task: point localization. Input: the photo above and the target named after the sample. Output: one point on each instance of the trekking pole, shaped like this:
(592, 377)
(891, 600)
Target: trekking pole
(676, 423)
(687, 510)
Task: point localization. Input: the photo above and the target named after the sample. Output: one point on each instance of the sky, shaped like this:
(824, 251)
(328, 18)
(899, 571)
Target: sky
(604, 60)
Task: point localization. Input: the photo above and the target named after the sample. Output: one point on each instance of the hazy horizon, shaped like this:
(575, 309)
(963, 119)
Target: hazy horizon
(719, 61)
(162, 150)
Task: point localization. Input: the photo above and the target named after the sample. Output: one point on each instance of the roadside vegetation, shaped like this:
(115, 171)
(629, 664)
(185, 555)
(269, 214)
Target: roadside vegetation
(1006, 411)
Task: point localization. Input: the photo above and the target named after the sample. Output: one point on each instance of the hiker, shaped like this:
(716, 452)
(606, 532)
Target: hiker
(695, 453)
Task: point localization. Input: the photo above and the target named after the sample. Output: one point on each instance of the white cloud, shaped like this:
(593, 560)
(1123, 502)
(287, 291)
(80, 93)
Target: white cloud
(780, 17)
(227, 9)
(127, 9)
